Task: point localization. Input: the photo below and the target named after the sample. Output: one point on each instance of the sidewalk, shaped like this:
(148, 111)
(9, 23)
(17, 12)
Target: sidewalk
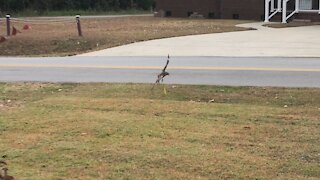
(263, 42)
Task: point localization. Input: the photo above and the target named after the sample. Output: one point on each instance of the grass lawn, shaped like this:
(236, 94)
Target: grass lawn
(128, 131)
(60, 39)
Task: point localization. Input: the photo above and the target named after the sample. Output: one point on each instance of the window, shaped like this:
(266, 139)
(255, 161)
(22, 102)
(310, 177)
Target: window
(168, 13)
(235, 16)
(211, 15)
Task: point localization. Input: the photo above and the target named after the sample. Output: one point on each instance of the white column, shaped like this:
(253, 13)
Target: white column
(272, 6)
(284, 11)
(297, 6)
(266, 11)
(279, 5)
(319, 6)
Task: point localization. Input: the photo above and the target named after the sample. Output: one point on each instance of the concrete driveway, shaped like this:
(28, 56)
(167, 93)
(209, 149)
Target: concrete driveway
(263, 42)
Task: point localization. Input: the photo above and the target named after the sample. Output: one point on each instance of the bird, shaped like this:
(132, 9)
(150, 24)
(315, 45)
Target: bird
(164, 73)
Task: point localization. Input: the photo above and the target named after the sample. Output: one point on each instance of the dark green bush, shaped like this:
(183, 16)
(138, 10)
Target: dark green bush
(39, 6)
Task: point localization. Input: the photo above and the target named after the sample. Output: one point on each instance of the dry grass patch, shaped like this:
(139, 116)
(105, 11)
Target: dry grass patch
(110, 131)
(61, 39)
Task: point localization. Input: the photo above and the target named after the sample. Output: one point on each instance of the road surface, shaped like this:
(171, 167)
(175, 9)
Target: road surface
(253, 71)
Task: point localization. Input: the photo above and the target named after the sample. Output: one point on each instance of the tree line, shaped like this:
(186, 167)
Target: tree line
(39, 6)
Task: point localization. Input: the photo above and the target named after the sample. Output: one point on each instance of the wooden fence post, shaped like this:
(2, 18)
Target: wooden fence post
(79, 25)
(8, 24)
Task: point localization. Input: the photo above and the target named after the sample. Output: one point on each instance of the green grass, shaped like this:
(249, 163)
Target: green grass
(128, 131)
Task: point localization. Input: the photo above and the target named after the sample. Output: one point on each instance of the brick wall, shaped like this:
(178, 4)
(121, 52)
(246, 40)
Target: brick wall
(225, 9)
(246, 9)
(243, 9)
(181, 8)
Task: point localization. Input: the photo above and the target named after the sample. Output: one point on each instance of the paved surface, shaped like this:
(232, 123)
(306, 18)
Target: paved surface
(263, 42)
(284, 72)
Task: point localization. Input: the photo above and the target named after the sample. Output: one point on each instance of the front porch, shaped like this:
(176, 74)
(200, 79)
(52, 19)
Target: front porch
(289, 8)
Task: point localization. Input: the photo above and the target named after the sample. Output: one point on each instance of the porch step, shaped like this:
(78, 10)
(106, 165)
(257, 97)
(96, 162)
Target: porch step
(300, 17)
(301, 20)
(315, 17)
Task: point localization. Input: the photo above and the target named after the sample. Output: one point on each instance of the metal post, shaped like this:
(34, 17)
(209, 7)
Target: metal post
(266, 13)
(284, 11)
(79, 25)
(8, 24)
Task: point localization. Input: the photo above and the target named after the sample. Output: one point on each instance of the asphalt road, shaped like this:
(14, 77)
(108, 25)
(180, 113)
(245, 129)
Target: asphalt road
(281, 72)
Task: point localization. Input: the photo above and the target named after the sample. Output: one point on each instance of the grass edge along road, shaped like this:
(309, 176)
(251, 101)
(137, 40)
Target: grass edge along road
(98, 130)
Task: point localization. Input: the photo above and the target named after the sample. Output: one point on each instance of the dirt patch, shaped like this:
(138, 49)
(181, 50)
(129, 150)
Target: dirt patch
(9, 104)
(2, 105)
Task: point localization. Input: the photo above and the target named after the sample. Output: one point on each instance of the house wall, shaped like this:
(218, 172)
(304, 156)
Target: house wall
(253, 9)
(245, 9)
(225, 9)
(180, 8)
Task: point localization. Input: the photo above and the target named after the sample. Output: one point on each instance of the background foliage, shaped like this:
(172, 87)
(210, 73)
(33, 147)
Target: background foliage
(41, 6)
